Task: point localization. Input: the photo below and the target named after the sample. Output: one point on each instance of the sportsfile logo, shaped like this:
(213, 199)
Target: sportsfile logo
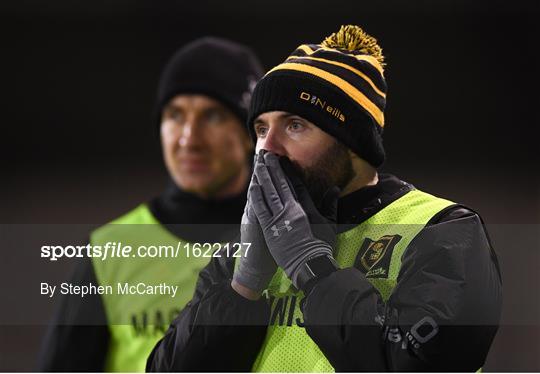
(318, 102)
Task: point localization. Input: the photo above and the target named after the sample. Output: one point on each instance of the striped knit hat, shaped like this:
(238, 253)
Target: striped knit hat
(338, 85)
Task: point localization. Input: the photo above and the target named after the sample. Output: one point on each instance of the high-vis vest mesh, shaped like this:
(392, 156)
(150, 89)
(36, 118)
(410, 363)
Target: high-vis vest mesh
(137, 322)
(375, 246)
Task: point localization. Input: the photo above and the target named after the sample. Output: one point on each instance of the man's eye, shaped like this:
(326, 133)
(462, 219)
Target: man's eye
(215, 117)
(261, 131)
(176, 115)
(296, 126)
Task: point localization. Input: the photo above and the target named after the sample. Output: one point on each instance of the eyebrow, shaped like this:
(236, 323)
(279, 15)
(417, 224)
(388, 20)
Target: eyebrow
(172, 106)
(288, 115)
(281, 116)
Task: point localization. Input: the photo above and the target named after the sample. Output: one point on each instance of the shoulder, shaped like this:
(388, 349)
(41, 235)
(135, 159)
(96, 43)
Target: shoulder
(456, 213)
(453, 210)
(139, 215)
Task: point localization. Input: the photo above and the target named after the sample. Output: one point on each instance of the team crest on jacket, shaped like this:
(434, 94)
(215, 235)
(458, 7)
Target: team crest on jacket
(374, 256)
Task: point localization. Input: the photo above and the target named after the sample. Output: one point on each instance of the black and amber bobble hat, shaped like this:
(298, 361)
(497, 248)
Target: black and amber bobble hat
(338, 85)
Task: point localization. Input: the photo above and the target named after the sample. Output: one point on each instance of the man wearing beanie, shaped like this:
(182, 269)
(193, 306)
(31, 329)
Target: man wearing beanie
(201, 109)
(348, 270)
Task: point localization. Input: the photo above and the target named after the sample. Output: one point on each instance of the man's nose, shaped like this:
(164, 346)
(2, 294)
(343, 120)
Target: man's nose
(271, 143)
(191, 134)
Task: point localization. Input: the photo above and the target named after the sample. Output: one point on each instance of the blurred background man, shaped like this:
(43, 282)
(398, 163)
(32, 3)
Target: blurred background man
(201, 107)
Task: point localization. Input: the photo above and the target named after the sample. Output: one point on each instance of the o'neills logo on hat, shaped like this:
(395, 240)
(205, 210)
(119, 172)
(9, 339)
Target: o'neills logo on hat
(317, 101)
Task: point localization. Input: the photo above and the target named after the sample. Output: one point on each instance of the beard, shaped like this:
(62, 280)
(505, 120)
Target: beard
(332, 168)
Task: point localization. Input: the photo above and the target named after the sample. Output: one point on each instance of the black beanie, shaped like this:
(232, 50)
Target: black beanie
(338, 85)
(215, 67)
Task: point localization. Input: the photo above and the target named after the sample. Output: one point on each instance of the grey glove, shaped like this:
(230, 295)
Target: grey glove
(256, 266)
(323, 215)
(285, 224)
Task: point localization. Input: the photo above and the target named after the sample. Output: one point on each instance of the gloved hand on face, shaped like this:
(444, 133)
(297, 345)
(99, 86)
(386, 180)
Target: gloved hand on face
(293, 229)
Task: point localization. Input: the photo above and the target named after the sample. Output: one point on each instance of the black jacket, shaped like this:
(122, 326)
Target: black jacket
(442, 315)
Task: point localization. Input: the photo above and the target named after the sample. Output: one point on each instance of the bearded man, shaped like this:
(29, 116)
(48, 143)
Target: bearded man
(360, 271)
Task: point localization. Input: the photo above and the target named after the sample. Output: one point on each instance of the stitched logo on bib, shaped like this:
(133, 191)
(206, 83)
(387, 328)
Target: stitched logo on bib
(374, 256)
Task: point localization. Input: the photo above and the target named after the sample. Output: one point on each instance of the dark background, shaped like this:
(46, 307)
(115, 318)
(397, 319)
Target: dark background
(78, 144)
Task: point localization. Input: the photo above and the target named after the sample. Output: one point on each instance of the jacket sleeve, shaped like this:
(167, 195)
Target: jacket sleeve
(442, 315)
(78, 337)
(217, 331)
